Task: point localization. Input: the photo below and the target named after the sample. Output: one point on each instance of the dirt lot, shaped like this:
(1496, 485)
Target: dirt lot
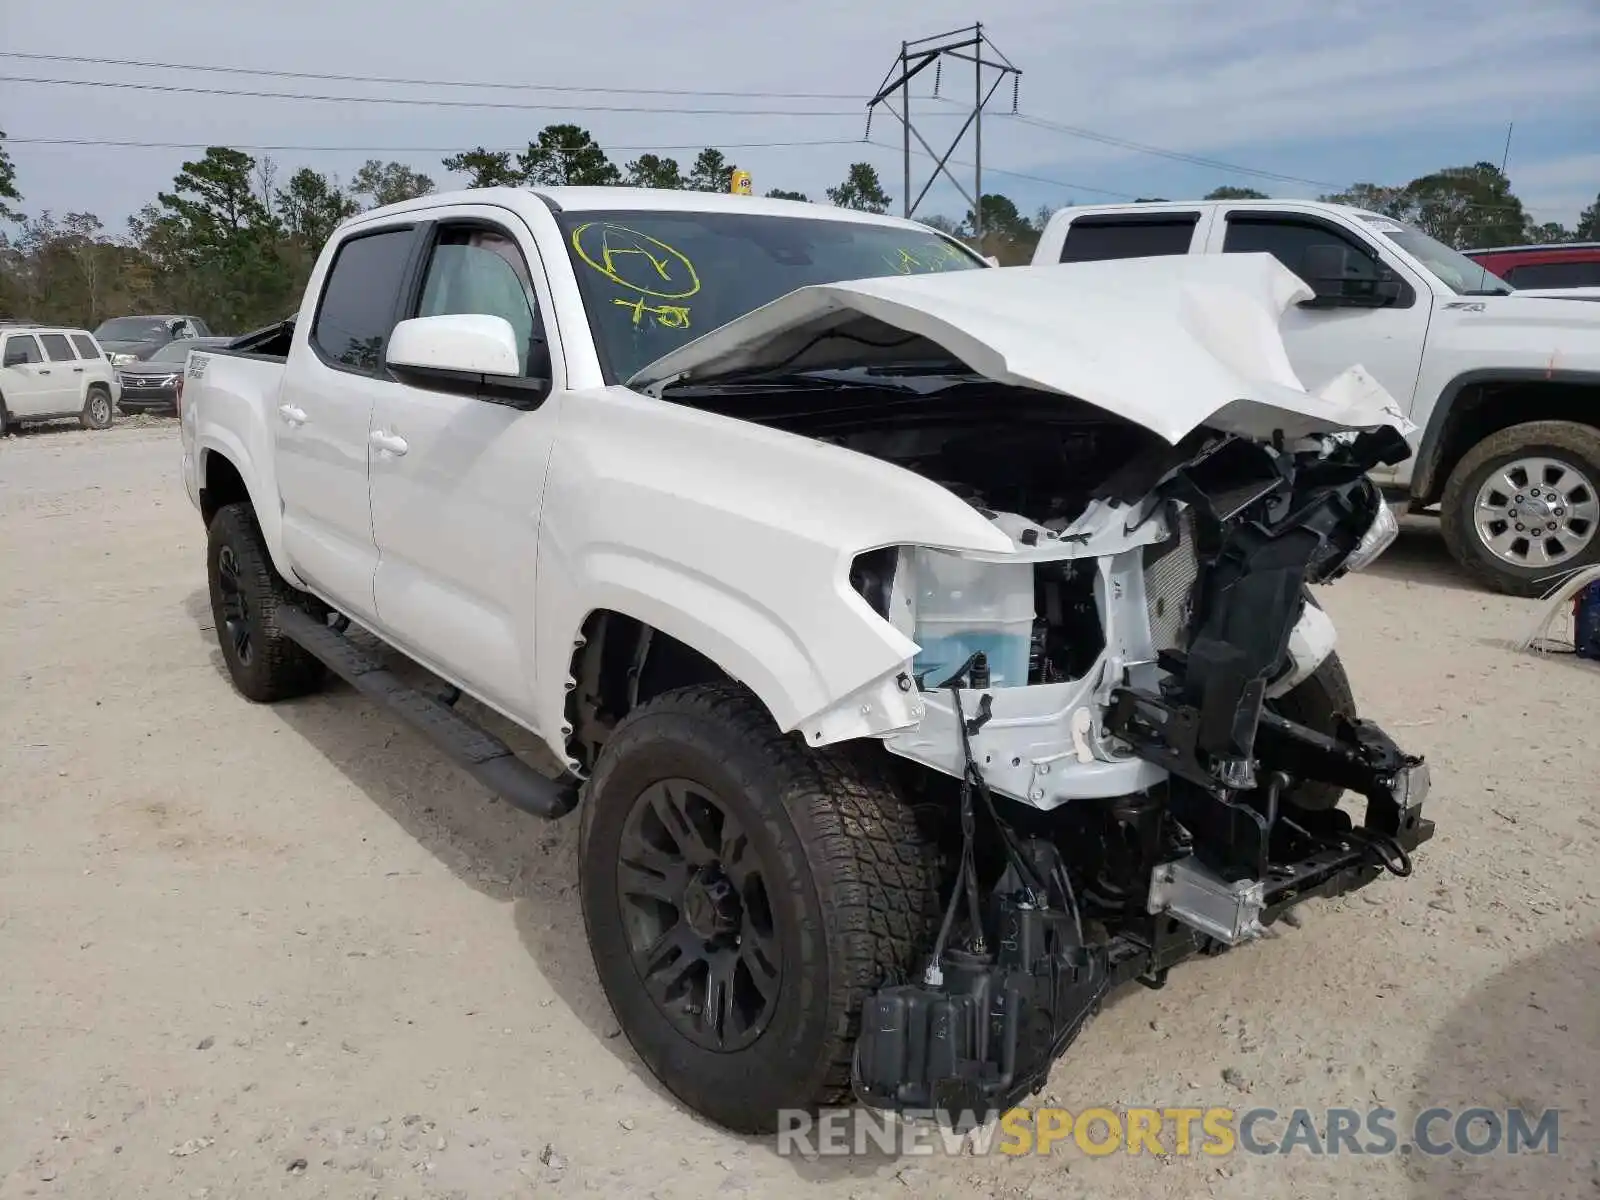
(251, 951)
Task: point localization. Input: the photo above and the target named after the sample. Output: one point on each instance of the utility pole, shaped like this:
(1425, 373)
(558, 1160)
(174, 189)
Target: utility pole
(989, 67)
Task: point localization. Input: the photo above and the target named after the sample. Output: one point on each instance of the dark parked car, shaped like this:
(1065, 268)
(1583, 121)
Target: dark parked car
(151, 384)
(127, 339)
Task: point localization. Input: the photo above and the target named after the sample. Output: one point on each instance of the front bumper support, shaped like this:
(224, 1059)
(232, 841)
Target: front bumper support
(987, 1033)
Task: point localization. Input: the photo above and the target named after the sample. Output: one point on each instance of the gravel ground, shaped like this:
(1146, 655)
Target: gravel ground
(251, 951)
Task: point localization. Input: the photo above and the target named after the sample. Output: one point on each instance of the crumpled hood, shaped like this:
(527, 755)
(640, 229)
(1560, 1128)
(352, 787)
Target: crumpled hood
(1171, 343)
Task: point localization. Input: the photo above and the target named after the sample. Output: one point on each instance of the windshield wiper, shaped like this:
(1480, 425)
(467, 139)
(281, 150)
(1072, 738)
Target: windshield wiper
(820, 380)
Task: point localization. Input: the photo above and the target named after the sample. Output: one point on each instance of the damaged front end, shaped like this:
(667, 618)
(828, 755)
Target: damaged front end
(1133, 789)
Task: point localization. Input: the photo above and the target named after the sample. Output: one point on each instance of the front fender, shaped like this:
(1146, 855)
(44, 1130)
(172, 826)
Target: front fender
(737, 540)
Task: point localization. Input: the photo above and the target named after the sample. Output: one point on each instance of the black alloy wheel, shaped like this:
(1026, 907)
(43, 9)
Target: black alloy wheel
(699, 925)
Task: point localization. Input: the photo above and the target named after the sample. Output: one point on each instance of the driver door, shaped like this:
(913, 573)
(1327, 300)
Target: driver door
(457, 481)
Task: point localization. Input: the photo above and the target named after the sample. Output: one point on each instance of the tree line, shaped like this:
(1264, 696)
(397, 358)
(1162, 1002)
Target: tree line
(234, 243)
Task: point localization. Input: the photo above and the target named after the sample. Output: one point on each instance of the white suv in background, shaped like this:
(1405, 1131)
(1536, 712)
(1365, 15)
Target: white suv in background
(48, 372)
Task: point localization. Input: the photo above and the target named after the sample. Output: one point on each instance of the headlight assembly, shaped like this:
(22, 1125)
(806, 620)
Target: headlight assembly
(1380, 535)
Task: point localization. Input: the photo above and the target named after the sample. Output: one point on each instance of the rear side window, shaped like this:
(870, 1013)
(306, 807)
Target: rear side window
(22, 348)
(1093, 239)
(359, 299)
(84, 344)
(1554, 275)
(57, 347)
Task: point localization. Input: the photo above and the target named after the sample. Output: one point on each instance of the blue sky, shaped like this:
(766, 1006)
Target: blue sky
(1368, 90)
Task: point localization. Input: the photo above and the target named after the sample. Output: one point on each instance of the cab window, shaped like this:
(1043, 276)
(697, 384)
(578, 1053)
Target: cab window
(1095, 239)
(57, 347)
(22, 348)
(1295, 244)
(477, 270)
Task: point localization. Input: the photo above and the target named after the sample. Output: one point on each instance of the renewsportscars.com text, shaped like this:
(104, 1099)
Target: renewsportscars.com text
(1215, 1131)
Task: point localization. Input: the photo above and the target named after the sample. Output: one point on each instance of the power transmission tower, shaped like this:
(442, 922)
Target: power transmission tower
(969, 45)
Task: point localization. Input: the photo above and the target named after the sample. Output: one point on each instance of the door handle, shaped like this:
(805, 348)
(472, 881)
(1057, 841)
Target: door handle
(291, 414)
(392, 443)
(44, 372)
(77, 370)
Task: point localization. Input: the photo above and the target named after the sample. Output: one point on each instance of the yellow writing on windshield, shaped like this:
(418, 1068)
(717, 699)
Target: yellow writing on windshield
(636, 260)
(939, 256)
(668, 316)
(643, 265)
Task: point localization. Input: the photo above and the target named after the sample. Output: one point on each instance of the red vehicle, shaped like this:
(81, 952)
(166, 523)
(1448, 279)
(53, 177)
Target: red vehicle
(1558, 265)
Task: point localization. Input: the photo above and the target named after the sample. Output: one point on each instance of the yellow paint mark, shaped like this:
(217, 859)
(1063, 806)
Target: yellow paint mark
(668, 316)
(636, 260)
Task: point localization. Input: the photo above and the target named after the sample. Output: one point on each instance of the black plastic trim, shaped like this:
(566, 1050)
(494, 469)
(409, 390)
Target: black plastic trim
(514, 391)
(1427, 471)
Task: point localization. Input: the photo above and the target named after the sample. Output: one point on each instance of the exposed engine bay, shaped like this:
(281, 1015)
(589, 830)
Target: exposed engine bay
(1110, 748)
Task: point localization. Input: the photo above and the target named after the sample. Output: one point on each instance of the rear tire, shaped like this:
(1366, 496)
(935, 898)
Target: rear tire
(1572, 451)
(805, 868)
(246, 592)
(7, 425)
(97, 408)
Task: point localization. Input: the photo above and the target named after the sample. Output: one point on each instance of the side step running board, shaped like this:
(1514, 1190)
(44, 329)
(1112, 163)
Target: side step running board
(482, 755)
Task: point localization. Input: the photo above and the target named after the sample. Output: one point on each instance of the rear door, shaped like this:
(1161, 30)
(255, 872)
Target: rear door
(26, 380)
(66, 372)
(333, 377)
(458, 480)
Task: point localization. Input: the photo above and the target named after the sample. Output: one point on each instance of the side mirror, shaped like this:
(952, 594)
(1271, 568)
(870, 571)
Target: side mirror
(1327, 268)
(468, 353)
(15, 358)
(1322, 266)
(466, 342)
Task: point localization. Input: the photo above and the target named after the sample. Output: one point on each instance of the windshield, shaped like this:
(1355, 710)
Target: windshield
(655, 280)
(132, 329)
(1459, 273)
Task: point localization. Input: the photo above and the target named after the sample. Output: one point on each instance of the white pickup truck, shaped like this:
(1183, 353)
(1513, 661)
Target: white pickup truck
(1504, 388)
(929, 645)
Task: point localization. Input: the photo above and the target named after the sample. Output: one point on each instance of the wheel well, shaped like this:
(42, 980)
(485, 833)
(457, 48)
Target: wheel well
(622, 663)
(1481, 409)
(223, 485)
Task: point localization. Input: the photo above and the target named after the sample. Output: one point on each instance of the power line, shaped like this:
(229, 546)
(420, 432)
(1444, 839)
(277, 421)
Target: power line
(1060, 183)
(428, 103)
(392, 79)
(405, 81)
(1160, 151)
(131, 145)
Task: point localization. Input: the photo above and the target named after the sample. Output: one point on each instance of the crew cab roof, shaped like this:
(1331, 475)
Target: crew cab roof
(593, 199)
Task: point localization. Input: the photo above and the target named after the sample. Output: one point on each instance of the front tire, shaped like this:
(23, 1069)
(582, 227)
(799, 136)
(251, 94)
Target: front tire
(246, 592)
(97, 412)
(1521, 510)
(1316, 702)
(742, 896)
